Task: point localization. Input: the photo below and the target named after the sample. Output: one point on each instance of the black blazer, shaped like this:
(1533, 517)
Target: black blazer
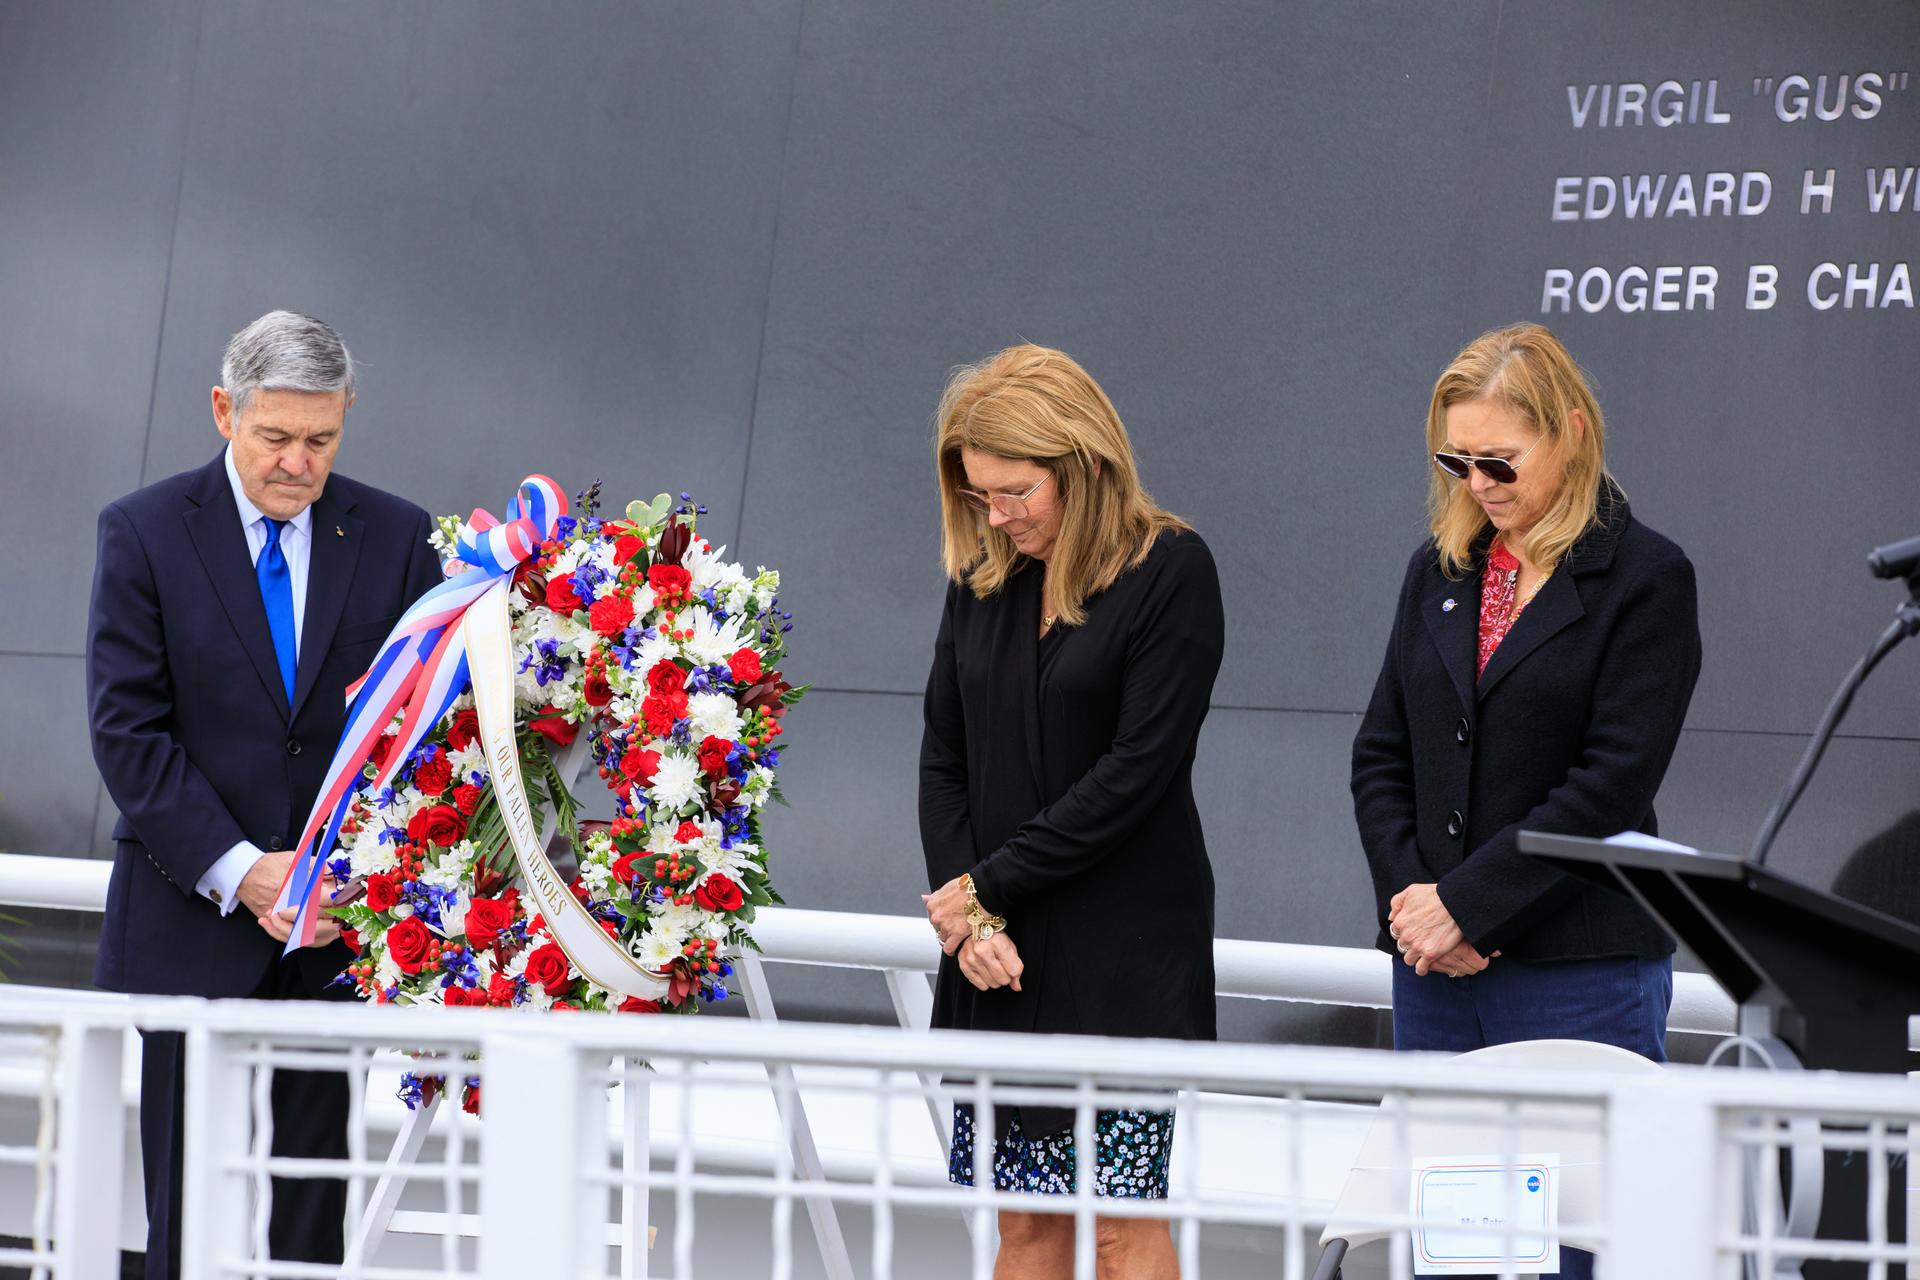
(191, 727)
(1071, 802)
(1569, 730)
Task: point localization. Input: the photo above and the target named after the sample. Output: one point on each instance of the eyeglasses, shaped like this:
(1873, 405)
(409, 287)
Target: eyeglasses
(1011, 505)
(1498, 469)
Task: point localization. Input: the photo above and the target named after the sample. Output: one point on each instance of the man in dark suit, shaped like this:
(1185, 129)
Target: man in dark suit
(232, 605)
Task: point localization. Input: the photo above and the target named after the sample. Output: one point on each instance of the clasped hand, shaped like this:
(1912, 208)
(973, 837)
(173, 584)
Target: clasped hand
(987, 965)
(1427, 936)
(260, 888)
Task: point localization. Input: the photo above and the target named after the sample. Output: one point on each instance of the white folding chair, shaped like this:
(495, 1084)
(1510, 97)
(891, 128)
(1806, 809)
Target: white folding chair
(1377, 1184)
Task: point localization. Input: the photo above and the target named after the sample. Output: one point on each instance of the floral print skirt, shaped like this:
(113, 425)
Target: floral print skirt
(1130, 1156)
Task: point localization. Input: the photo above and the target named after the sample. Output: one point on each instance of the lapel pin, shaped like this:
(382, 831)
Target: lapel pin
(1446, 606)
(338, 532)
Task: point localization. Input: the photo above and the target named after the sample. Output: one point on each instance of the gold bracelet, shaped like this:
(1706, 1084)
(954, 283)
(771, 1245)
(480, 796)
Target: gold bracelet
(982, 925)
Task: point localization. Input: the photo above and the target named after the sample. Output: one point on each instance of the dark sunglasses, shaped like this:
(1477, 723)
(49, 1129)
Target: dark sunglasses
(1498, 470)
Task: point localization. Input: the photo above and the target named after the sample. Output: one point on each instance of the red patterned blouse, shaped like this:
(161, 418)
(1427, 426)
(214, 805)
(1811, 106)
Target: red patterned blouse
(1500, 602)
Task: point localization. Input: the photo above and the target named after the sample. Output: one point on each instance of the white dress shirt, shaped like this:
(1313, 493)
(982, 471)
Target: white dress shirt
(221, 883)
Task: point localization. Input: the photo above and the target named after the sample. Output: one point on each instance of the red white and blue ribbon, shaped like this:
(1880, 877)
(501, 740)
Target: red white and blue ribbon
(421, 668)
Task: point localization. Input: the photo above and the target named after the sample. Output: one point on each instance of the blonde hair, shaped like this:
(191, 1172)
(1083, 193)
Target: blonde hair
(1037, 404)
(1524, 368)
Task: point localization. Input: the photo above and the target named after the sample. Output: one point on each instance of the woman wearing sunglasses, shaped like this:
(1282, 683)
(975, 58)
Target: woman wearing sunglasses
(1540, 665)
(1073, 667)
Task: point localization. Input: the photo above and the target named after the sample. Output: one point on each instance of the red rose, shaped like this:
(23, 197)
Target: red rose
(666, 679)
(713, 755)
(440, 824)
(486, 919)
(611, 614)
(407, 943)
(471, 1103)
(464, 729)
(382, 748)
(554, 727)
(466, 798)
(351, 937)
(382, 891)
(634, 1004)
(598, 692)
(639, 766)
(689, 832)
(456, 995)
(561, 597)
(717, 893)
(745, 665)
(432, 776)
(626, 547)
(669, 579)
(623, 866)
(547, 967)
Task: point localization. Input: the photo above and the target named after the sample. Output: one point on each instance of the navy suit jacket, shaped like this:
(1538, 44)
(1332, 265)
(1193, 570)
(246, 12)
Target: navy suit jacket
(1569, 729)
(191, 726)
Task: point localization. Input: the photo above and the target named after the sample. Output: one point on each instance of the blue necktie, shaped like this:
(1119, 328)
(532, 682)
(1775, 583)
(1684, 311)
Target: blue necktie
(276, 592)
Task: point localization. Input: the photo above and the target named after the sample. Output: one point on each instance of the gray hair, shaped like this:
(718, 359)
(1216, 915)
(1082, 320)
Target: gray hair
(285, 351)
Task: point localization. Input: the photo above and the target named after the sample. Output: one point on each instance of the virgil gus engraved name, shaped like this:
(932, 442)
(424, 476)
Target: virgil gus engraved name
(1657, 197)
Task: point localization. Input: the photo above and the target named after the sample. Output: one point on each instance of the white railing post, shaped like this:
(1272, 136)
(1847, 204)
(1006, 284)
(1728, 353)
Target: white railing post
(543, 1121)
(1662, 1148)
(215, 1200)
(86, 1223)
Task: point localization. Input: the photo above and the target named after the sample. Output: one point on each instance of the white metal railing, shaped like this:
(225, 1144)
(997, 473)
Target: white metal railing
(1682, 1153)
(902, 945)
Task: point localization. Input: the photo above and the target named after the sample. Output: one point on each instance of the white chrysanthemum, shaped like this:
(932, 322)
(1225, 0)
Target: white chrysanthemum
(659, 948)
(660, 838)
(712, 641)
(453, 916)
(676, 782)
(710, 568)
(655, 648)
(566, 560)
(732, 863)
(713, 714)
(367, 853)
(467, 761)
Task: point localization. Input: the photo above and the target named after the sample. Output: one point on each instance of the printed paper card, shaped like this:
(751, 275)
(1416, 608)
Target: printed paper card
(1497, 1213)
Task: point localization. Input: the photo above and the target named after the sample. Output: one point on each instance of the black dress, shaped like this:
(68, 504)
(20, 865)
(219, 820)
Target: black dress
(1064, 785)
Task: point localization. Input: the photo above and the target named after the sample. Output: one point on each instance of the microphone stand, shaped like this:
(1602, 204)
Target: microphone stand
(1906, 622)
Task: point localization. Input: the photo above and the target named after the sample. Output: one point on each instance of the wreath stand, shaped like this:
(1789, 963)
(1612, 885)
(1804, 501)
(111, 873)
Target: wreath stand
(631, 1234)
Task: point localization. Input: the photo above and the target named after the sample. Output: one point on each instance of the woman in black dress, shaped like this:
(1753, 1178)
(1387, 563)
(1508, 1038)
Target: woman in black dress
(1074, 665)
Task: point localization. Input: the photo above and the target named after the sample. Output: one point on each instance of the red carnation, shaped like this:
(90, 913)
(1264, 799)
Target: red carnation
(713, 755)
(689, 832)
(487, 918)
(670, 580)
(718, 893)
(634, 1004)
(658, 714)
(561, 597)
(471, 1103)
(440, 824)
(745, 666)
(626, 547)
(547, 967)
(466, 798)
(407, 943)
(596, 690)
(623, 866)
(639, 766)
(611, 614)
(464, 729)
(382, 891)
(554, 727)
(500, 989)
(351, 937)
(432, 776)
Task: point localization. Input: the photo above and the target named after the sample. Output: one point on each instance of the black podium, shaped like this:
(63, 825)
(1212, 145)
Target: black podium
(1835, 981)
(1832, 981)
